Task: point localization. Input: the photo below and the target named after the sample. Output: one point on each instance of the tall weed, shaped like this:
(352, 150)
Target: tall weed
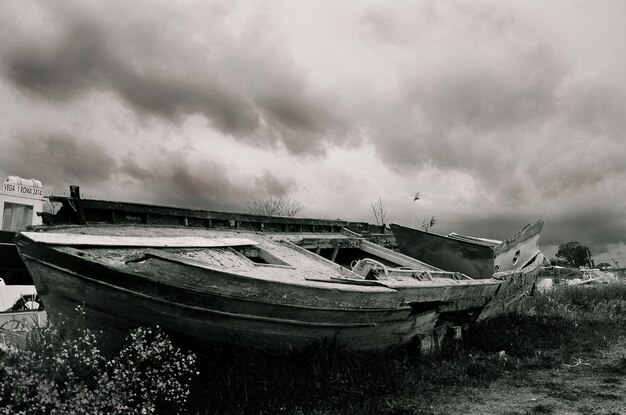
(557, 324)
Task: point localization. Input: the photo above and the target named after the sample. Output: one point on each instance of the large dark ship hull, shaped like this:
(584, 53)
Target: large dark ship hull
(474, 258)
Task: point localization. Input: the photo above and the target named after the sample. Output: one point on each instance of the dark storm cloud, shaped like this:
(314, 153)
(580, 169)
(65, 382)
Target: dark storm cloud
(470, 116)
(481, 97)
(269, 184)
(597, 228)
(170, 178)
(596, 225)
(525, 103)
(173, 179)
(504, 104)
(57, 159)
(596, 106)
(241, 83)
(58, 71)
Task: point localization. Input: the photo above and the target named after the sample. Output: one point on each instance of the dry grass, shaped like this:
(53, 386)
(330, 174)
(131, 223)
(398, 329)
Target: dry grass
(547, 332)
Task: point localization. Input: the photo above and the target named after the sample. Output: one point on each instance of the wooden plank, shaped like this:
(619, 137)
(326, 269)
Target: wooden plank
(395, 257)
(354, 281)
(474, 239)
(53, 238)
(334, 266)
(103, 205)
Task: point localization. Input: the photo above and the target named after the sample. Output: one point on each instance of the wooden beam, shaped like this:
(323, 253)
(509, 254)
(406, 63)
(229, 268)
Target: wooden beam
(53, 238)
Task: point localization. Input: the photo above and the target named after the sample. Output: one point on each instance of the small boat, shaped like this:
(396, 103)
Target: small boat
(20, 310)
(269, 290)
(21, 201)
(476, 257)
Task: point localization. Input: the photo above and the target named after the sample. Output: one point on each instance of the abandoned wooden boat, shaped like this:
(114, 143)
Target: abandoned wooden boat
(80, 211)
(475, 257)
(267, 290)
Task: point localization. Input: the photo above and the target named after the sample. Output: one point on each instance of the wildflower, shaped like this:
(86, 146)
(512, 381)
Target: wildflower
(61, 370)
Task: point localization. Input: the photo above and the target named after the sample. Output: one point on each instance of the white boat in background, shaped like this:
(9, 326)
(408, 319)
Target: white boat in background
(21, 202)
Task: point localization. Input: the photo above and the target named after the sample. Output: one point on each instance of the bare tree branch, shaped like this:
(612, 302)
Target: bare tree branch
(275, 206)
(378, 210)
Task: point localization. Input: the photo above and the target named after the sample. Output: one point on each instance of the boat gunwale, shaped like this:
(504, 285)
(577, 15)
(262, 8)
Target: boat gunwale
(401, 307)
(445, 237)
(392, 286)
(218, 312)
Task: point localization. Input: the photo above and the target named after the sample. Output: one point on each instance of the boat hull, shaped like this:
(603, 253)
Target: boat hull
(476, 260)
(473, 260)
(116, 307)
(12, 268)
(515, 285)
(207, 294)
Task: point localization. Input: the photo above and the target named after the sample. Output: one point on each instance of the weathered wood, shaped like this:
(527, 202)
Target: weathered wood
(473, 239)
(514, 285)
(101, 240)
(217, 293)
(517, 251)
(77, 206)
(64, 290)
(94, 209)
(395, 257)
(113, 309)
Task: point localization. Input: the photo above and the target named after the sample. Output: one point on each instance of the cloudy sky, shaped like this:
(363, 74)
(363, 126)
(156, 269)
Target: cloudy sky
(498, 112)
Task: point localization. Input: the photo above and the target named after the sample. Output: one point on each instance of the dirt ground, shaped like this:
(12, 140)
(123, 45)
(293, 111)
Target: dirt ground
(595, 385)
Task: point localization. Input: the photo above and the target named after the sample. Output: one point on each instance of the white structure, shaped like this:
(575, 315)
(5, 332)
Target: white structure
(20, 201)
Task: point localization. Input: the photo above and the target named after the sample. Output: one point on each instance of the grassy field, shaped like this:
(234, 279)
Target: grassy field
(543, 350)
(547, 332)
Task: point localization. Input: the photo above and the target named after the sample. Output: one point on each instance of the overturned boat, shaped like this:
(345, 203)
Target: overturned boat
(475, 257)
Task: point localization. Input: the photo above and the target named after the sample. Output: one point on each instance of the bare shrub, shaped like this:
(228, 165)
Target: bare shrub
(275, 206)
(378, 210)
